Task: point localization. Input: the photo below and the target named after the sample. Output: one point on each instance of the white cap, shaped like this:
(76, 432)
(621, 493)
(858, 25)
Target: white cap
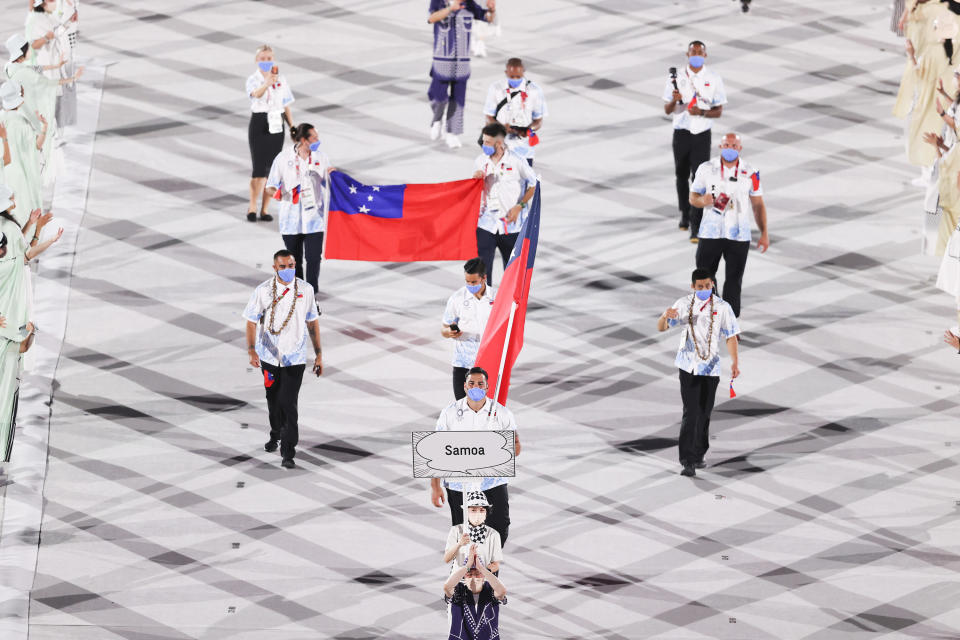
(37, 3)
(10, 95)
(15, 45)
(6, 198)
(476, 499)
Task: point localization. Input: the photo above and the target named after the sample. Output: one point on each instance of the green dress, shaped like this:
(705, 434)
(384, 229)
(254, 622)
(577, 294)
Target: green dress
(13, 307)
(22, 175)
(39, 96)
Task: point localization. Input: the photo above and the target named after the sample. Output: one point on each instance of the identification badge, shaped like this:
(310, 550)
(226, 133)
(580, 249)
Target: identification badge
(307, 198)
(275, 121)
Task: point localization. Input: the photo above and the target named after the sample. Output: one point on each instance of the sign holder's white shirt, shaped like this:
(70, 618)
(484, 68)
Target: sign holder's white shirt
(739, 182)
(504, 183)
(290, 347)
(458, 416)
(724, 326)
(526, 105)
(708, 88)
(288, 172)
(470, 314)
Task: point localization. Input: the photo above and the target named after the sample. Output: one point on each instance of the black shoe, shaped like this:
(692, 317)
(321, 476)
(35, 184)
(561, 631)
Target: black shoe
(251, 217)
(266, 217)
(688, 471)
(288, 463)
(271, 446)
(700, 465)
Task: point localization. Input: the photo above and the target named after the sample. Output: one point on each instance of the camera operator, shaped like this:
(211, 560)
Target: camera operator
(517, 103)
(694, 97)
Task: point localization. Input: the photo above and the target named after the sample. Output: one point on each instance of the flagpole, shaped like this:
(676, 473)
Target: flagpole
(503, 357)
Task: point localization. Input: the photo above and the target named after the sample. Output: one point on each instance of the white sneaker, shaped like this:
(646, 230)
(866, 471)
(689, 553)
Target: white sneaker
(481, 48)
(435, 130)
(453, 141)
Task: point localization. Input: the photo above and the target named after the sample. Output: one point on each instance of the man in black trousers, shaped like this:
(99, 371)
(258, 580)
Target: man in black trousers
(694, 96)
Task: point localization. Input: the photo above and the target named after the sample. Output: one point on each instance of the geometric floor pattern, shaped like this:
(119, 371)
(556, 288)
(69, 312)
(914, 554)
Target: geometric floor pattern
(831, 505)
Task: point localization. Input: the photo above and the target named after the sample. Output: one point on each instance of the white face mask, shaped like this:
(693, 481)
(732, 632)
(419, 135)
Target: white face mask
(476, 519)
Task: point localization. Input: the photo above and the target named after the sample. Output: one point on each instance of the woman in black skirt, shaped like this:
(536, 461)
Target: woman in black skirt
(270, 100)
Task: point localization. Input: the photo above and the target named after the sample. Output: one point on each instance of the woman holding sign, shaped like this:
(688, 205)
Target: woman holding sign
(270, 100)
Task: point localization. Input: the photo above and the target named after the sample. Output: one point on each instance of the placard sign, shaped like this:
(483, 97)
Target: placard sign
(463, 454)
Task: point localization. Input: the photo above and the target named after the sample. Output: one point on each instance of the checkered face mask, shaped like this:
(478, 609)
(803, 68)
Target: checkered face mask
(478, 534)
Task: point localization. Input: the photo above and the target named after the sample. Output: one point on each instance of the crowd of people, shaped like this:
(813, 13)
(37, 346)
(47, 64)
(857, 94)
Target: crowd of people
(928, 101)
(282, 315)
(38, 98)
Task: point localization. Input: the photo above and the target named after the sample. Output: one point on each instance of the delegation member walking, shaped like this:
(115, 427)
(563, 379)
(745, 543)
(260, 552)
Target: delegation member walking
(270, 100)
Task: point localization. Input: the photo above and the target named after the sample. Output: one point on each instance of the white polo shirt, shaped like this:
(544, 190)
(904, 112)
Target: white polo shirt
(708, 89)
(274, 99)
(739, 183)
(724, 326)
(458, 416)
(522, 106)
(470, 314)
(290, 347)
(504, 183)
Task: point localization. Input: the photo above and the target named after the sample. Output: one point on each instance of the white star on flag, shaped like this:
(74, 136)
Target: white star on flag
(370, 198)
(353, 189)
(363, 209)
(376, 188)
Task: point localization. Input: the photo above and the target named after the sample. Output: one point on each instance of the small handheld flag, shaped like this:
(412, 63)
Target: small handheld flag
(733, 394)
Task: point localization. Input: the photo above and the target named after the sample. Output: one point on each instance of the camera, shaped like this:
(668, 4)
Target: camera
(673, 79)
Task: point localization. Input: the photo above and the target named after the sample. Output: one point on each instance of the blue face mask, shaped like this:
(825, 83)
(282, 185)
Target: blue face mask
(487, 149)
(287, 275)
(704, 294)
(314, 145)
(696, 61)
(265, 66)
(514, 82)
(474, 288)
(729, 154)
(476, 394)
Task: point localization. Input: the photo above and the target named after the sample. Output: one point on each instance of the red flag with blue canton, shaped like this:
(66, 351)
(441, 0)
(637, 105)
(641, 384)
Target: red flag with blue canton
(514, 287)
(402, 222)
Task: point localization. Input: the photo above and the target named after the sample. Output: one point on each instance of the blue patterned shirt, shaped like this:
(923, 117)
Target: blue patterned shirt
(451, 40)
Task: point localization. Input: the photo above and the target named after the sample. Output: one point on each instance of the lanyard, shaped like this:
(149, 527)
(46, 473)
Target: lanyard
(736, 169)
(696, 93)
(296, 162)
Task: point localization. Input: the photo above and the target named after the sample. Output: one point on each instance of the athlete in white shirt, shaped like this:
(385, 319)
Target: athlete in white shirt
(476, 412)
(464, 319)
(706, 320)
(279, 314)
(694, 97)
(729, 191)
(508, 186)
